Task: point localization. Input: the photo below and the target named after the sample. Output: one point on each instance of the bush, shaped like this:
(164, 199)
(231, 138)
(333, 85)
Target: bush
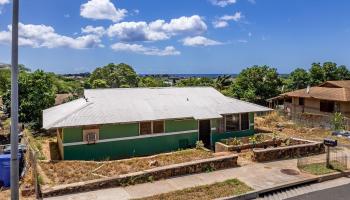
(199, 144)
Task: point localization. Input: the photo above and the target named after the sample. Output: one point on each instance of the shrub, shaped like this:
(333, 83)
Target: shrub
(338, 122)
(199, 144)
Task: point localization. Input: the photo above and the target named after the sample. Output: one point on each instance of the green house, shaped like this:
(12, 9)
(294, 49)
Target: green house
(126, 122)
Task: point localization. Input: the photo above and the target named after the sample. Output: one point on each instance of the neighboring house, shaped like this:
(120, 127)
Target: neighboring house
(127, 122)
(62, 98)
(325, 99)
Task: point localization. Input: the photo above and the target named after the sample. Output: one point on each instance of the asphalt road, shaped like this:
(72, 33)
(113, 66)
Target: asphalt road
(336, 193)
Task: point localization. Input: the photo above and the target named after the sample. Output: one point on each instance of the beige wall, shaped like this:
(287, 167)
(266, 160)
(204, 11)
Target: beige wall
(313, 106)
(345, 108)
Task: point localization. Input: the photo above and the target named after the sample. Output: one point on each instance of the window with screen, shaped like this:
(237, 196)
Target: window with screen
(232, 122)
(91, 135)
(244, 121)
(301, 101)
(326, 106)
(145, 128)
(158, 127)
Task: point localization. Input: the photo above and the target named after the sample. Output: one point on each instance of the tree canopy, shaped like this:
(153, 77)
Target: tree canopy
(256, 84)
(36, 93)
(114, 76)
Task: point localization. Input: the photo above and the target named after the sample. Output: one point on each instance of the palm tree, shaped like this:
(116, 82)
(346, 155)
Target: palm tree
(222, 82)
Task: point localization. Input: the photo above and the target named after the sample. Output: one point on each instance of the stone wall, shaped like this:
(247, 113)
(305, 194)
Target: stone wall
(144, 176)
(221, 147)
(304, 148)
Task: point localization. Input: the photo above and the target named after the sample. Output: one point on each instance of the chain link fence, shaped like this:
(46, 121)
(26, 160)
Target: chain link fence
(338, 161)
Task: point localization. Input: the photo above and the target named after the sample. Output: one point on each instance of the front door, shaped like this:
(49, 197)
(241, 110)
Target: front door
(204, 132)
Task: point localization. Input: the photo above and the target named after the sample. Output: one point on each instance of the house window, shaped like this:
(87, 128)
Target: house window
(244, 121)
(145, 128)
(220, 127)
(301, 101)
(91, 136)
(232, 122)
(326, 106)
(158, 127)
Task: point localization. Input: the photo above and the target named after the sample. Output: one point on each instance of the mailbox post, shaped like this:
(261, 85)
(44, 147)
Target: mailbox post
(329, 143)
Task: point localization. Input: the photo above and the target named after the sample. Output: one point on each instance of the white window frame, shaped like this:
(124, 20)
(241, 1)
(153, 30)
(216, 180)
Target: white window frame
(87, 131)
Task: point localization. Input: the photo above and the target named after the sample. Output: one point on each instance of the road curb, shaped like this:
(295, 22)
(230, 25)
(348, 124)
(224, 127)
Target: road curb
(255, 194)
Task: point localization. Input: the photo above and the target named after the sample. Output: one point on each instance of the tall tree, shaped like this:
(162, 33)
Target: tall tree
(115, 75)
(36, 93)
(299, 79)
(256, 84)
(316, 74)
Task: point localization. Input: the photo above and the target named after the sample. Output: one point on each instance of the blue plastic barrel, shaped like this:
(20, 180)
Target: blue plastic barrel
(5, 168)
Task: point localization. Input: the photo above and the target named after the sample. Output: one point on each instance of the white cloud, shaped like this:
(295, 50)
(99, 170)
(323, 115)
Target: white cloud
(235, 17)
(3, 2)
(140, 49)
(223, 21)
(220, 24)
(102, 9)
(222, 3)
(39, 36)
(157, 30)
(99, 30)
(199, 41)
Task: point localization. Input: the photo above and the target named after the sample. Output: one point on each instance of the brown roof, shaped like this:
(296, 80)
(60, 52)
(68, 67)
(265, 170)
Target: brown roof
(325, 93)
(341, 84)
(62, 98)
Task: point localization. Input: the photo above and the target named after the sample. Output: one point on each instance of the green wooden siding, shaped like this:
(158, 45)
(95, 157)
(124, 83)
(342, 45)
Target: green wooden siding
(130, 148)
(72, 135)
(180, 125)
(118, 130)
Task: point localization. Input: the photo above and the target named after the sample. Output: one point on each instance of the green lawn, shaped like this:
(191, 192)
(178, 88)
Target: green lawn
(206, 192)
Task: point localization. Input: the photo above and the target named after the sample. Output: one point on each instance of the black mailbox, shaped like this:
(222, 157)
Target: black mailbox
(330, 142)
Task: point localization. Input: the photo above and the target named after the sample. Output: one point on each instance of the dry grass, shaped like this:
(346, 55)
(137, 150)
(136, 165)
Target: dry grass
(271, 123)
(222, 189)
(6, 195)
(64, 172)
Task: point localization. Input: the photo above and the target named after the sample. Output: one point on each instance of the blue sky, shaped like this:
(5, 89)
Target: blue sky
(182, 36)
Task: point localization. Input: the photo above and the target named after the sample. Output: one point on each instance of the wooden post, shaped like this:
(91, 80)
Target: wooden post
(327, 158)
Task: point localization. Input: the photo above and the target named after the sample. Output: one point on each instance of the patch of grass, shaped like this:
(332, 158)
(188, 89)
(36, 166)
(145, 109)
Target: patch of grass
(320, 168)
(206, 192)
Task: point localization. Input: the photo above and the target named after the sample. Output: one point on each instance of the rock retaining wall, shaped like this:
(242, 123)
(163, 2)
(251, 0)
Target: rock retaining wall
(302, 148)
(221, 147)
(144, 176)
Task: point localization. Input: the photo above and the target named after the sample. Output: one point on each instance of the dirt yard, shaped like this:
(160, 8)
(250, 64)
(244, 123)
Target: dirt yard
(286, 128)
(64, 172)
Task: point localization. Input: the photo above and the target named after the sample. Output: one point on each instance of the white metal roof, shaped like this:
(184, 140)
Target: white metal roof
(123, 105)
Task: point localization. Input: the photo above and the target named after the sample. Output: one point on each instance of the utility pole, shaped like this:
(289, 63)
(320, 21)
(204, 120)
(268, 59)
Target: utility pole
(14, 103)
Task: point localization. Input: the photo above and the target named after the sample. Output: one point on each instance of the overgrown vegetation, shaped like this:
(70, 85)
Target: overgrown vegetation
(206, 192)
(64, 172)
